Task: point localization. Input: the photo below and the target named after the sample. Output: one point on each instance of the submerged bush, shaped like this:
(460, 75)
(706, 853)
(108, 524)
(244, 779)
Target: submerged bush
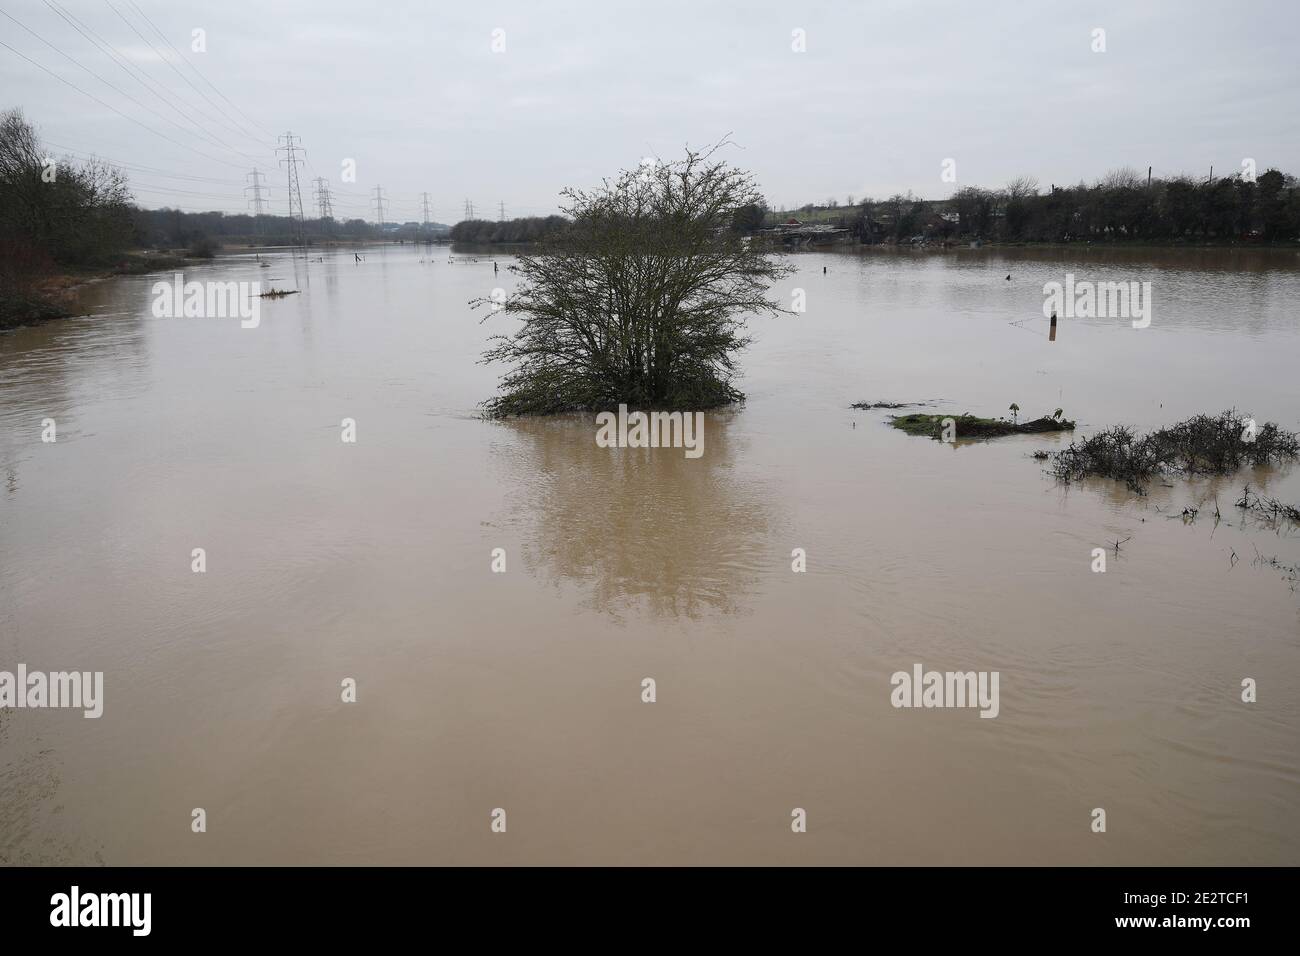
(1201, 445)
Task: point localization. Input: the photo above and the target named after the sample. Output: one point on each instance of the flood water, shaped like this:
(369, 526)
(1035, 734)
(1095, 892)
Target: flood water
(522, 690)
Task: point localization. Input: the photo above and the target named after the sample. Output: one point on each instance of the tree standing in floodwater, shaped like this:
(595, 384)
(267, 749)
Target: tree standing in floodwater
(639, 300)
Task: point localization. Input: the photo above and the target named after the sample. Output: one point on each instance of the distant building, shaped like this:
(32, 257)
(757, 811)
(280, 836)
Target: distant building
(793, 232)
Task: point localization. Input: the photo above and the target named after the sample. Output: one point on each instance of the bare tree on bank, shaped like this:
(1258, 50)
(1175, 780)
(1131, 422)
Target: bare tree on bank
(640, 299)
(53, 214)
(77, 213)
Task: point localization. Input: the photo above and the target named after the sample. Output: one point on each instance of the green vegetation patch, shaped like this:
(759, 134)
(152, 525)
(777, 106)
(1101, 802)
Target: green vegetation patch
(972, 426)
(17, 311)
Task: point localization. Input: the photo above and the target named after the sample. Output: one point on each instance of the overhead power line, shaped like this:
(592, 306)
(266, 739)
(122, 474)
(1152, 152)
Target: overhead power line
(110, 106)
(208, 138)
(83, 154)
(136, 74)
(172, 66)
(196, 70)
(235, 128)
(185, 192)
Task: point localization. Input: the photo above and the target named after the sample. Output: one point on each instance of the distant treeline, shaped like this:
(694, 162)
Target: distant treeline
(59, 217)
(59, 213)
(528, 229)
(199, 231)
(1121, 206)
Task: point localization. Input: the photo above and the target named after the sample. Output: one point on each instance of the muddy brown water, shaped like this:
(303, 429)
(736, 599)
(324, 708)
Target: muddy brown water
(522, 690)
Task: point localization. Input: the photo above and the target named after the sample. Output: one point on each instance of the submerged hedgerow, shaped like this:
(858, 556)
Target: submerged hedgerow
(1201, 445)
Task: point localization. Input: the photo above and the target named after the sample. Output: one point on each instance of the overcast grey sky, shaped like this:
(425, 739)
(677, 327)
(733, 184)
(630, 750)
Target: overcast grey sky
(884, 93)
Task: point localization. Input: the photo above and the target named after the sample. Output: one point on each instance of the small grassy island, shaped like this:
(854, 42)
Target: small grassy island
(972, 426)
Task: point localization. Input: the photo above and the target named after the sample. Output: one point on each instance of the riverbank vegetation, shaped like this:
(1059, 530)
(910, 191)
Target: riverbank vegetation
(55, 217)
(1122, 206)
(174, 229)
(64, 221)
